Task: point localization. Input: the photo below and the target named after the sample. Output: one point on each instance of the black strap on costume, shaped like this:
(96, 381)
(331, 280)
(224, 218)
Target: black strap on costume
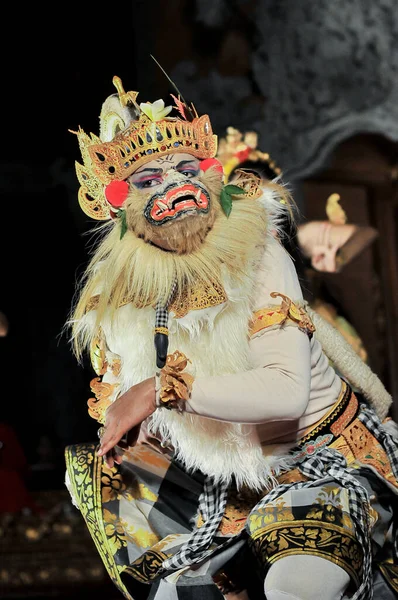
(161, 330)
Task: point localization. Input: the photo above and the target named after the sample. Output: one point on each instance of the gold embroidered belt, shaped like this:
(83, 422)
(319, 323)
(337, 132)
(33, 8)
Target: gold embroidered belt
(342, 430)
(331, 425)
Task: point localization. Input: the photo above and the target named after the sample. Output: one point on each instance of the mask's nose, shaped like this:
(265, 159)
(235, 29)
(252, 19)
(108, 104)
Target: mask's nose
(173, 175)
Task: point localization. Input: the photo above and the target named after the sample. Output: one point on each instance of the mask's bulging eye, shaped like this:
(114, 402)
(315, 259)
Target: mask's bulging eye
(149, 182)
(190, 173)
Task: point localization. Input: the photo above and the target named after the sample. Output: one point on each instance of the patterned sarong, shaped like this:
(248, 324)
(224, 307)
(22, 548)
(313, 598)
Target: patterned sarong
(159, 528)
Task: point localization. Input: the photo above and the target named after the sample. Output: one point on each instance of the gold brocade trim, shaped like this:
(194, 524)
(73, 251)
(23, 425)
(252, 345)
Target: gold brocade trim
(390, 572)
(353, 439)
(200, 297)
(240, 504)
(367, 450)
(345, 419)
(292, 476)
(287, 313)
(163, 330)
(341, 445)
(146, 568)
(85, 472)
(308, 537)
(264, 318)
(92, 304)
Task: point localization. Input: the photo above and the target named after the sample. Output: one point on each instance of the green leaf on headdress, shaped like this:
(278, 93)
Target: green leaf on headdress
(123, 222)
(233, 190)
(226, 196)
(226, 202)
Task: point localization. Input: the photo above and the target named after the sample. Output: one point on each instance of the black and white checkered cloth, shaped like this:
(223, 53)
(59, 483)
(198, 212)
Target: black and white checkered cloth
(388, 442)
(326, 465)
(212, 503)
(161, 329)
(331, 464)
(162, 312)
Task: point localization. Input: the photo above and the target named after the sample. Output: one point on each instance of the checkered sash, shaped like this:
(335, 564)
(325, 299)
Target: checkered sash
(162, 312)
(329, 463)
(212, 503)
(390, 445)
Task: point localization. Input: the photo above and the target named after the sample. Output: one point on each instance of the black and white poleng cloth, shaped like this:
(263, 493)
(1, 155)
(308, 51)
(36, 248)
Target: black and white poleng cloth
(212, 503)
(162, 310)
(161, 329)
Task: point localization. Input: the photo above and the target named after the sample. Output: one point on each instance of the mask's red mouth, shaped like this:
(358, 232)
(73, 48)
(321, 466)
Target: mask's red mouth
(175, 201)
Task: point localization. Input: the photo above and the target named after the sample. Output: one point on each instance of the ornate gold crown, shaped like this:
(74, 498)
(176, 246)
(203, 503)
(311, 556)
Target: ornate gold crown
(237, 148)
(135, 141)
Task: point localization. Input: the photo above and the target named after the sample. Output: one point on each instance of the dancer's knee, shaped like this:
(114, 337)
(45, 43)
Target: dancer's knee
(305, 578)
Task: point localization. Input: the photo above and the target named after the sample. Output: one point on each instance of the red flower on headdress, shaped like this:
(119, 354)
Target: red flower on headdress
(116, 192)
(211, 162)
(243, 155)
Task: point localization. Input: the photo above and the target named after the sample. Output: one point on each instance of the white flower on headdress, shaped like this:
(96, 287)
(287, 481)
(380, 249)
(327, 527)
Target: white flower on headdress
(156, 111)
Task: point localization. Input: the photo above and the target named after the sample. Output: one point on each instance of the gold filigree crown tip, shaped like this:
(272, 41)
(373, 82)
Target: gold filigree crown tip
(126, 98)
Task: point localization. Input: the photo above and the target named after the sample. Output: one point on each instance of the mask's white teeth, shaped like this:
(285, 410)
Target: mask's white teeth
(197, 197)
(162, 205)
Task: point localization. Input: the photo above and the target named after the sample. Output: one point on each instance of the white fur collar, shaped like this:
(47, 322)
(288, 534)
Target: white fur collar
(208, 338)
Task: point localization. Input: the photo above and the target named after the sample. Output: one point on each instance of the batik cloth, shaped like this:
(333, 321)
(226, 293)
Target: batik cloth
(163, 533)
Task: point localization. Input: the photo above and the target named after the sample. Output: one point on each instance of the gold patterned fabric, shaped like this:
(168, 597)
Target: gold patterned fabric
(141, 513)
(85, 472)
(202, 296)
(314, 521)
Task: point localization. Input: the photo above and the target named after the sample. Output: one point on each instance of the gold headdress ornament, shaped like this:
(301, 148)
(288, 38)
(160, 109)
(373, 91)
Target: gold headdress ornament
(132, 135)
(236, 148)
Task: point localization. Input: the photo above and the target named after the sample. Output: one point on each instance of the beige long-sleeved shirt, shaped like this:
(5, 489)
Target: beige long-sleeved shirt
(291, 384)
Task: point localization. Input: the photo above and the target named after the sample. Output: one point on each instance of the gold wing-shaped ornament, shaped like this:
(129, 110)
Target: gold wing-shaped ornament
(91, 196)
(97, 354)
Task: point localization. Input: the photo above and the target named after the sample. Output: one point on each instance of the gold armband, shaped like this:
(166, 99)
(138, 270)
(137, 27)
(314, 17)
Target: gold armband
(287, 313)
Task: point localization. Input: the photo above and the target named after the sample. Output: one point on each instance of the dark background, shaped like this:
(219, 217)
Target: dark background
(318, 81)
(58, 82)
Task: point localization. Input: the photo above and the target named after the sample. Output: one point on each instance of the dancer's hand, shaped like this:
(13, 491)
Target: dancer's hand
(127, 413)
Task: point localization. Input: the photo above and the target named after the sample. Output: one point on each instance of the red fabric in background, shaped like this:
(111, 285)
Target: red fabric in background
(14, 495)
